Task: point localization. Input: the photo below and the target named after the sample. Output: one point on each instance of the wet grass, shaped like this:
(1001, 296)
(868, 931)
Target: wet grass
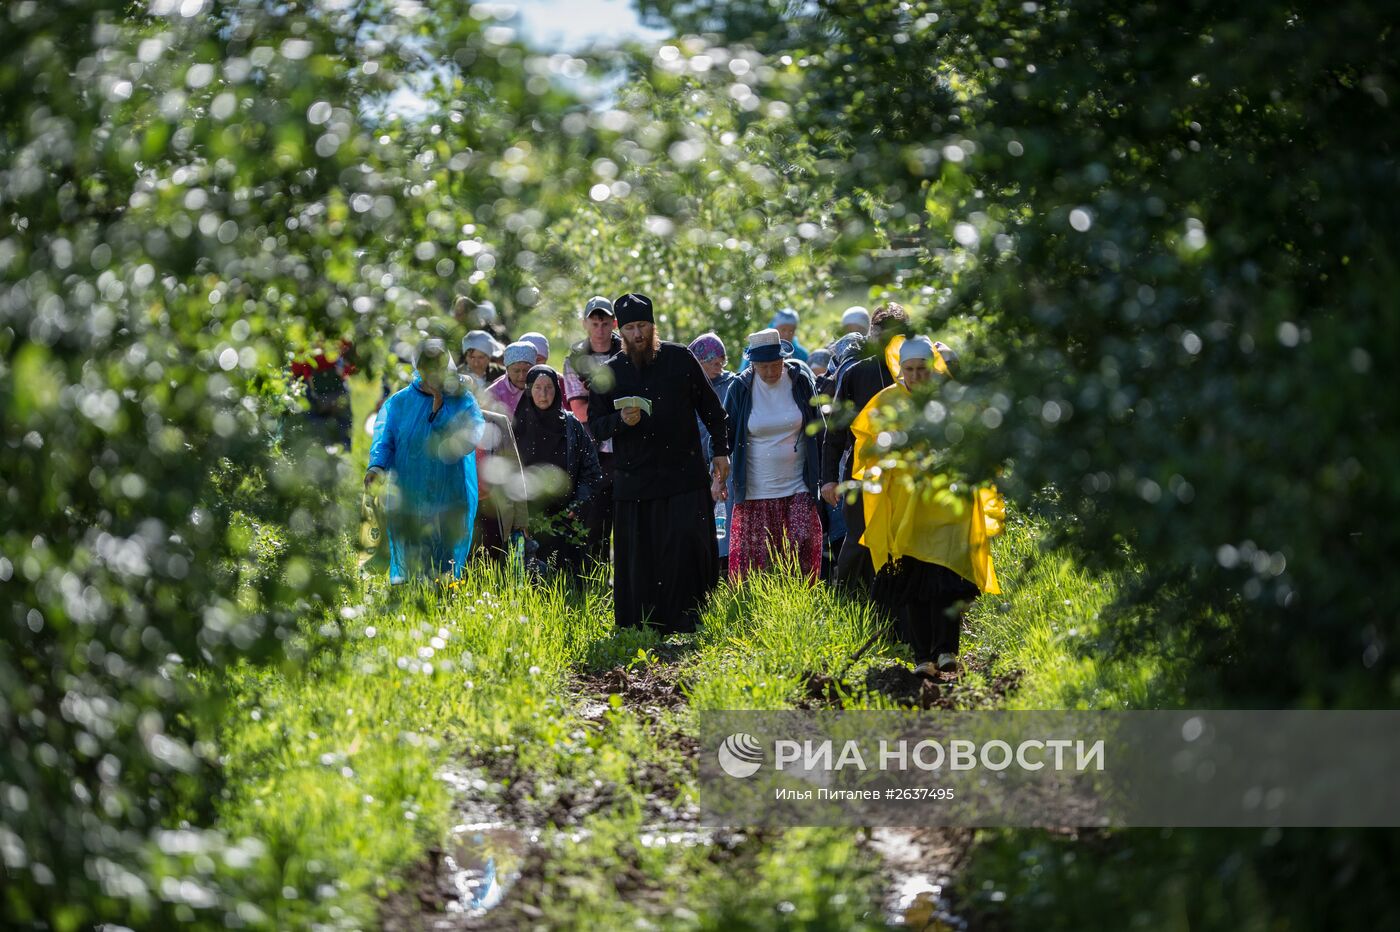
(333, 765)
(488, 701)
(337, 765)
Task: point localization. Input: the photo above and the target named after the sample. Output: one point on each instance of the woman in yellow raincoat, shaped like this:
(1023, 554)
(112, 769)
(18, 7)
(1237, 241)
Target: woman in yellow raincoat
(929, 537)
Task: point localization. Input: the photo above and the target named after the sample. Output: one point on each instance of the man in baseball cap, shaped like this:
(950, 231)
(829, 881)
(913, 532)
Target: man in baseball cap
(598, 305)
(585, 363)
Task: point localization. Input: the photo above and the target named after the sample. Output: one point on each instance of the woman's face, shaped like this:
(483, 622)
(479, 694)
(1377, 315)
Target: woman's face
(542, 392)
(769, 372)
(712, 367)
(477, 361)
(915, 372)
(516, 372)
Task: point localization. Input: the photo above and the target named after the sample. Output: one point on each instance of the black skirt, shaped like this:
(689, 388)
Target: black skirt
(908, 581)
(666, 560)
(925, 601)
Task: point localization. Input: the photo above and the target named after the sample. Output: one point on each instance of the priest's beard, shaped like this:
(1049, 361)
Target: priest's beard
(641, 358)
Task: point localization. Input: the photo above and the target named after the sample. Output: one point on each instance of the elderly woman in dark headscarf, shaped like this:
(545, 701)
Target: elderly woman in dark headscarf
(561, 468)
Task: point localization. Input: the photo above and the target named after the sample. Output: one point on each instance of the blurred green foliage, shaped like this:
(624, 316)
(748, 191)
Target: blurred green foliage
(1167, 233)
(707, 198)
(1175, 225)
(191, 192)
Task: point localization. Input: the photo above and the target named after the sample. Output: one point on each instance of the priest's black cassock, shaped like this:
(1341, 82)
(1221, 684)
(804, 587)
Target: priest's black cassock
(665, 558)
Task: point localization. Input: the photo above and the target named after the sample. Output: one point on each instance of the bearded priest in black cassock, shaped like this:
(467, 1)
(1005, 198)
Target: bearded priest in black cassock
(665, 559)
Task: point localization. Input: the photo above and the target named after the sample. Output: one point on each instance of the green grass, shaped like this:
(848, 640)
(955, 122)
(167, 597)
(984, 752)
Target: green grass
(761, 636)
(335, 763)
(334, 766)
(1046, 627)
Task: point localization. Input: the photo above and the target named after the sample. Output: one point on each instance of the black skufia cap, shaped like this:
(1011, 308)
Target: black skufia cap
(633, 307)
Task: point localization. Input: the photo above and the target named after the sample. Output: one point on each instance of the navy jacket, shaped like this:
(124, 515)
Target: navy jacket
(739, 402)
(721, 387)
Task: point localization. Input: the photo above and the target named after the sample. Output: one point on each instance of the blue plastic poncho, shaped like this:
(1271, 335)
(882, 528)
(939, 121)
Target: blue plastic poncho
(431, 504)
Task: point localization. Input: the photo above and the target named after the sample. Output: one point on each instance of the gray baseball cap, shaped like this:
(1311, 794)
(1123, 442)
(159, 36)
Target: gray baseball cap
(598, 305)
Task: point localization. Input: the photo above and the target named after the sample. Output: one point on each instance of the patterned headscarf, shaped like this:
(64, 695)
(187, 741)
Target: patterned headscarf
(520, 351)
(845, 347)
(708, 346)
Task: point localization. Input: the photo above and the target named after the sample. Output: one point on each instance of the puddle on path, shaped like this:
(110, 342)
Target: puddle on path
(591, 710)
(920, 864)
(470, 874)
(681, 838)
(480, 863)
(496, 845)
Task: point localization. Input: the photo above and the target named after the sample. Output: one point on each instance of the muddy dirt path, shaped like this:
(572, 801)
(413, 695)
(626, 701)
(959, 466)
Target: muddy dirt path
(487, 875)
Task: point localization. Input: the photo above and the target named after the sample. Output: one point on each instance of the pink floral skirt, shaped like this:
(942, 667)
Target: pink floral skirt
(775, 524)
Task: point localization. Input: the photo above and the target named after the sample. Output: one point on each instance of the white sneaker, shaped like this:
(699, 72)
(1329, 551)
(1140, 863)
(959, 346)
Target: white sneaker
(947, 663)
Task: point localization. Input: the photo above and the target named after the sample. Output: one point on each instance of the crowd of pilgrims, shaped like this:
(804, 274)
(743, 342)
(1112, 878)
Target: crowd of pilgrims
(656, 461)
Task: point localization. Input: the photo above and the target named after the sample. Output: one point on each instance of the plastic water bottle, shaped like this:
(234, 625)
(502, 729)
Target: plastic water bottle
(721, 521)
(517, 554)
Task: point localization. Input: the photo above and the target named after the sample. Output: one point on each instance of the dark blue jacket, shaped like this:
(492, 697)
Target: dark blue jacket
(721, 387)
(739, 403)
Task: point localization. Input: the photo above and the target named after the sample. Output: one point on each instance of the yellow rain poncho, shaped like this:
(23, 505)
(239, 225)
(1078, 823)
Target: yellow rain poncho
(921, 515)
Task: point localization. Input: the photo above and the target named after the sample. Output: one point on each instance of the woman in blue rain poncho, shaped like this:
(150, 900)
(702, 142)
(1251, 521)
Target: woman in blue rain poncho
(425, 437)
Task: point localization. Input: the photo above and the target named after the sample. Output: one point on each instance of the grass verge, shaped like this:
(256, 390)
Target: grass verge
(527, 707)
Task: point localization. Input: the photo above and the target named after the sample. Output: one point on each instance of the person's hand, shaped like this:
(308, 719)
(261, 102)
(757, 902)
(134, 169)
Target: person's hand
(720, 469)
(631, 416)
(718, 491)
(373, 477)
(829, 494)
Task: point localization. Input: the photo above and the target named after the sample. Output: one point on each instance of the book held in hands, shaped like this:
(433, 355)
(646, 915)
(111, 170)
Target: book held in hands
(633, 401)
